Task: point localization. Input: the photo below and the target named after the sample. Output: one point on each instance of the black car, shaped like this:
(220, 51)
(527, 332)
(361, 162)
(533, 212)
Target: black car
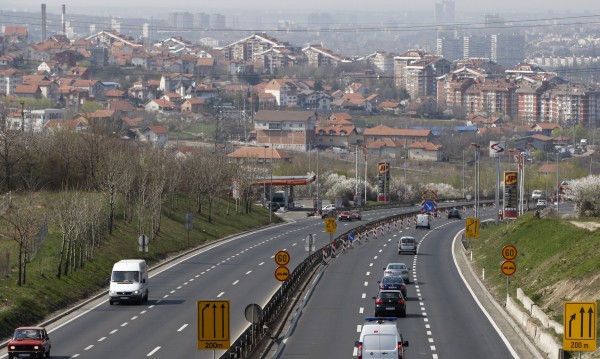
(454, 213)
(390, 302)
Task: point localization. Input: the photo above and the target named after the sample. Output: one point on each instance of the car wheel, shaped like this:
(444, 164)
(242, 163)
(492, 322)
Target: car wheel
(428, 227)
(111, 302)
(403, 314)
(146, 297)
(10, 356)
(48, 354)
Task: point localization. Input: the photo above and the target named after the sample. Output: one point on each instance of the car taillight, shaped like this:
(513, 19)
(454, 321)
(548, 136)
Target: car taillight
(378, 301)
(400, 301)
(400, 350)
(359, 353)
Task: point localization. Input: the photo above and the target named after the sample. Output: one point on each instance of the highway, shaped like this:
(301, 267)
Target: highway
(443, 320)
(240, 270)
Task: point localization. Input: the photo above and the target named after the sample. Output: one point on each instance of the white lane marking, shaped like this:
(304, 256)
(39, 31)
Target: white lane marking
(142, 312)
(358, 328)
(75, 356)
(153, 351)
(182, 327)
(124, 324)
(134, 318)
(114, 331)
(220, 294)
(152, 306)
(171, 292)
(236, 282)
(179, 287)
(364, 295)
(368, 273)
(248, 272)
(361, 310)
(261, 263)
(366, 284)
(89, 347)
(166, 296)
(102, 339)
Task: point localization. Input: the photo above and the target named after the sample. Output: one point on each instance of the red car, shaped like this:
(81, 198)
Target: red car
(345, 216)
(355, 216)
(31, 342)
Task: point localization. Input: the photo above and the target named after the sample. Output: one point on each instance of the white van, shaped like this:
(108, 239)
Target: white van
(129, 281)
(407, 244)
(379, 338)
(423, 220)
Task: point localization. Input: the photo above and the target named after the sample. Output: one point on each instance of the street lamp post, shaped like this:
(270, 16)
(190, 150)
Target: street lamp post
(264, 179)
(22, 116)
(271, 189)
(557, 189)
(476, 146)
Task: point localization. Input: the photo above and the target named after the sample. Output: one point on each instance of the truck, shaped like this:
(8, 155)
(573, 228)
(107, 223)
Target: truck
(129, 281)
(279, 197)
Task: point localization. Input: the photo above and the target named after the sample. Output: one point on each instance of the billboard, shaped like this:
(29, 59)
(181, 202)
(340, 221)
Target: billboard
(511, 194)
(383, 182)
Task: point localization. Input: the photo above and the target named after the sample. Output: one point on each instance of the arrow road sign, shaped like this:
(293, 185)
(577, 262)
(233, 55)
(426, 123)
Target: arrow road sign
(579, 323)
(213, 324)
(497, 148)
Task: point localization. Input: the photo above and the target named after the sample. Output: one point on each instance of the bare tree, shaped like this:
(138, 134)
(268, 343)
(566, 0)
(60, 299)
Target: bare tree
(11, 154)
(22, 227)
(113, 164)
(67, 213)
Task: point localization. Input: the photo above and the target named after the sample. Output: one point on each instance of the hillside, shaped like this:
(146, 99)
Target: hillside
(557, 260)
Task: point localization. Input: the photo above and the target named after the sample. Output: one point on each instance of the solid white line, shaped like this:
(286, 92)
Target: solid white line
(182, 327)
(487, 315)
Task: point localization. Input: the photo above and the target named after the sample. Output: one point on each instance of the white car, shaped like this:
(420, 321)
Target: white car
(537, 194)
(328, 207)
(379, 338)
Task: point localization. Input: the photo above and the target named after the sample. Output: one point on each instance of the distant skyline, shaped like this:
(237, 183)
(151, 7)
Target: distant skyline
(144, 8)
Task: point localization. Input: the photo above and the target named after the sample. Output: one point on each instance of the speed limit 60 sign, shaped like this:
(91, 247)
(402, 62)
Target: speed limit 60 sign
(509, 252)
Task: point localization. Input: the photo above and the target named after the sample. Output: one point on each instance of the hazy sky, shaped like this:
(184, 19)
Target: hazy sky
(127, 8)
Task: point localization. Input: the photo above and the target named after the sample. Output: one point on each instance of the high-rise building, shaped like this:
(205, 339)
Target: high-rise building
(217, 21)
(181, 20)
(444, 12)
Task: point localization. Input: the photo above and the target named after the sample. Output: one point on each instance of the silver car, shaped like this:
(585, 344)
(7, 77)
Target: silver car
(397, 269)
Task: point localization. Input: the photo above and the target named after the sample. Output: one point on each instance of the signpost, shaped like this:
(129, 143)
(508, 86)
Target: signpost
(579, 323)
(508, 267)
(213, 325)
(282, 273)
(509, 252)
(472, 228)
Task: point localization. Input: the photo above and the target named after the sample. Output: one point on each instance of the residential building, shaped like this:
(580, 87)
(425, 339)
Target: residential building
(424, 151)
(287, 130)
(402, 136)
(318, 56)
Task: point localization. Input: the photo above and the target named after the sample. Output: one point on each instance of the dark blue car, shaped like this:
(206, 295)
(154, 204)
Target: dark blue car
(392, 283)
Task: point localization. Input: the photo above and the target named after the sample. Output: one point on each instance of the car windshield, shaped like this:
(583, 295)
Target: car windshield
(389, 295)
(28, 334)
(393, 280)
(396, 266)
(125, 276)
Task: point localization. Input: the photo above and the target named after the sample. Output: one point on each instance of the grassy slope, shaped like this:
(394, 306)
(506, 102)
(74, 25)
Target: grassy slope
(44, 293)
(556, 261)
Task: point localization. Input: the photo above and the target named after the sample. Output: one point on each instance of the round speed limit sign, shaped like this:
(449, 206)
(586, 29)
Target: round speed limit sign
(282, 258)
(509, 252)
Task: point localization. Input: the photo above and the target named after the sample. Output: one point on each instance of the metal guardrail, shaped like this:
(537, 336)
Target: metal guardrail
(244, 345)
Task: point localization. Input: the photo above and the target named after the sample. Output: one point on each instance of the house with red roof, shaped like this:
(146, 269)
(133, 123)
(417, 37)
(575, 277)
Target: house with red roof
(403, 136)
(157, 135)
(424, 151)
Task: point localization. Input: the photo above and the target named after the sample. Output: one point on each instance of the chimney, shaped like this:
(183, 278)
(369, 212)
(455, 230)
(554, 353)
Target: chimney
(43, 22)
(62, 19)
